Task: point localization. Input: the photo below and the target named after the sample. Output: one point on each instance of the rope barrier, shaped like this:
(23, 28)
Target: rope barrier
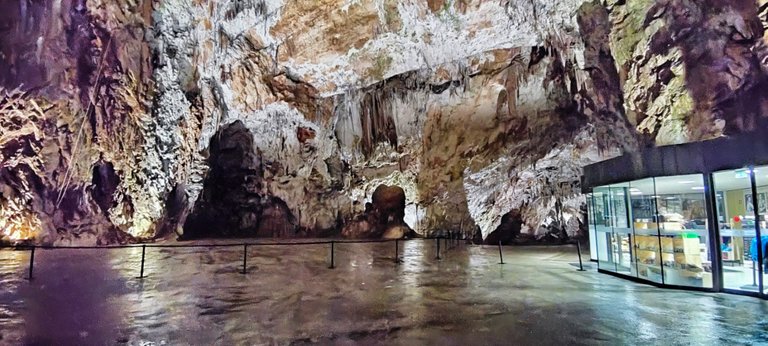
(455, 241)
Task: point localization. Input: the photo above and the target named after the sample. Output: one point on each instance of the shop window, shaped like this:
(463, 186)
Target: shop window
(647, 245)
(736, 222)
(603, 231)
(592, 230)
(621, 241)
(612, 230)
(684, 238)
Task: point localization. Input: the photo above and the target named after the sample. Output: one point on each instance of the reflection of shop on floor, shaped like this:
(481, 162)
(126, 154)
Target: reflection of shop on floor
(682, 217)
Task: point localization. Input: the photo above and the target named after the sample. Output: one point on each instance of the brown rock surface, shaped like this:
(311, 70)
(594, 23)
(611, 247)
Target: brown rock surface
(383, 217)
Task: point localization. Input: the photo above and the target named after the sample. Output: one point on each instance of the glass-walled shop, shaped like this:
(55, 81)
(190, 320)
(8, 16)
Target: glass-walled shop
(653, 229)
(659, 229)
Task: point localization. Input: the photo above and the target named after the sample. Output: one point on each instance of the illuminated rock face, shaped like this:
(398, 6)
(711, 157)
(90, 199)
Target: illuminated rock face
(474, 108)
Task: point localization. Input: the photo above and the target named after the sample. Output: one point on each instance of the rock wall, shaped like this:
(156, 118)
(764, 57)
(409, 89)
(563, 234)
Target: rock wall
(128, 119)
(693, 70)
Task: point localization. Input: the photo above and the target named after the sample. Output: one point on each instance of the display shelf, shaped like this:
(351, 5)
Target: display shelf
(681, 276)
(676, 233)
(649, 271)
(647, 249)
(654, 267)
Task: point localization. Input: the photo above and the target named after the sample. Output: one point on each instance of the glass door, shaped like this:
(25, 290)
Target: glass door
(603, 230)
(622, 233)
(738, 232)
(761, 186)
(644, 214)
(592, 230)
(683, 232)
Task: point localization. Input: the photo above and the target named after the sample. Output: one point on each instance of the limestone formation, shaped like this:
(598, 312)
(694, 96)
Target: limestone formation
(125, 120)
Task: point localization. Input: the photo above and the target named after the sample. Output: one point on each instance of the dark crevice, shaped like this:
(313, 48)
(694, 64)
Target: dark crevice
(105, 182)
(234, 202)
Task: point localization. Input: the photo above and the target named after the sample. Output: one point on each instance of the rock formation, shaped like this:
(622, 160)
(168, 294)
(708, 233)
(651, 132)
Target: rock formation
(383, 217)
(135, 119)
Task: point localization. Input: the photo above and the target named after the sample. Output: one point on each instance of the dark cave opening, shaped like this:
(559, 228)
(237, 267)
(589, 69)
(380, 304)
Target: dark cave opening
(508, 230)
(105, 182)
(234, 202)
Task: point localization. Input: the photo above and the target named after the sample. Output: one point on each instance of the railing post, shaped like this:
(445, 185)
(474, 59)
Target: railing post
(245, 258)
(578, 249)
(455, 239)
(332, 264)
(397, 251)
(31, 262)
(438, 248)
(143, 251)
(501, 257)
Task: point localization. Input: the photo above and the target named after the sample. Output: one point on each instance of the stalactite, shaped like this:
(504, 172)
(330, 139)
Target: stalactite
(24, 11)
(55, 16)
(39, 48)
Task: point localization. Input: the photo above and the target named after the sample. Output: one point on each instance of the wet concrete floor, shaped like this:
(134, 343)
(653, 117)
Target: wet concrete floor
(290, 296)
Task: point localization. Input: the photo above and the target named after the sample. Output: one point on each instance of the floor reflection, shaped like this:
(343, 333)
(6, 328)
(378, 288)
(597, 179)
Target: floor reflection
(12, 271)
(289, 295)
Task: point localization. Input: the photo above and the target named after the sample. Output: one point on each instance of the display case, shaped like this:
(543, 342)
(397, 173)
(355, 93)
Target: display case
(647, 255)
(685, 260)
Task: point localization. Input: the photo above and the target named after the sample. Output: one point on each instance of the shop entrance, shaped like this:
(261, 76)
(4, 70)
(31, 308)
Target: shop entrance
(740, 221)
(684, 216)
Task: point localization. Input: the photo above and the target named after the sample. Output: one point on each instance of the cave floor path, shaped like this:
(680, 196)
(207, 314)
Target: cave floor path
(290, 296)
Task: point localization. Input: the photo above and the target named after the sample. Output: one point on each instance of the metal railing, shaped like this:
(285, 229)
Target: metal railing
(451, 241)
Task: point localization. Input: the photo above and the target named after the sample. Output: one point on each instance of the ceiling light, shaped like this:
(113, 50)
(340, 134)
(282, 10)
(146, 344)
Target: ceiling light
(697, 188)
(742, 173)
(670, 198)
(686, 182)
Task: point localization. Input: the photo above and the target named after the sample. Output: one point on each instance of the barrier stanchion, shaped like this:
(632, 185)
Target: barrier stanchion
(578, 249)
(245, 258)
(31, 262)
(501, 257)
(332, 264)
(143, 251)
(438, 248)
(397, 251)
